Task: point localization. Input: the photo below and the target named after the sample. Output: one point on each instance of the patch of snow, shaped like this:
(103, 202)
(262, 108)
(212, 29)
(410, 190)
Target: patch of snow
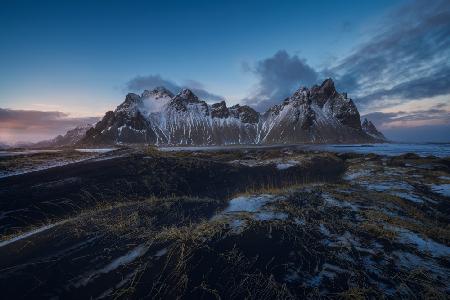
(153, 104)
(384, 186)
(95, 150)
(441, 189)
(422, 244)
(29, 233)
(125, 259)
(279, 163)
(254, 205)
(324, 230)
(237, 225)
(286, 165)
(379, 187)
(299, 221)
(161, 252)
(270, 215)
(411, 261)
(249, 203)
(333, 202)
(356, 174)
(118, 262)
(328, 271)
(408, 196)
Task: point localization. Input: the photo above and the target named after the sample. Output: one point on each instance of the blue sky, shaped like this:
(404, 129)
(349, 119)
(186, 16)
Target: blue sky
(82, 57)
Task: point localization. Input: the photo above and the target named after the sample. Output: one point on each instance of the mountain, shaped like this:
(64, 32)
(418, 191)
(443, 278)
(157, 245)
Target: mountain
(71, 138)
(316, 115)
(369, 128)
(4, 146)
(159, 117)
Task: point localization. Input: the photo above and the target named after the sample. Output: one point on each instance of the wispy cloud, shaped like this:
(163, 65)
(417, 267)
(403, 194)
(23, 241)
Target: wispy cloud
(140, 83)
(32, 126)
(433, 116)
(407, 57)
(432, 125)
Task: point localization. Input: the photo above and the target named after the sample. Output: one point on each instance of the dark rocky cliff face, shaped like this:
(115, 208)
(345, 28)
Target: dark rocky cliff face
(369, 128)
(316, 115)
(343, 108)
(245, 113)
(71, 138)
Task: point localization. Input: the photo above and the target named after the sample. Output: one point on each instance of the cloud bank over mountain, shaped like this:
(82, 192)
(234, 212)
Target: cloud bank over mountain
(149, 82)
(33, 126)
(278, 76)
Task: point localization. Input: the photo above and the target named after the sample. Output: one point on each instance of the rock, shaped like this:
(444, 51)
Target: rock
(70, 138)
(220, 110)
(157, 93)
(320, 94)
(369, 128)
(316, 115)
(245, 113)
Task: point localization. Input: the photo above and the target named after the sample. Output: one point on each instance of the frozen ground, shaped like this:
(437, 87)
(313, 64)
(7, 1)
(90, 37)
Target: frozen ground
(26, 152)
(443, 189)
(96, 150)
(51, 163)
(390, 149)
(16, 163)
(378, 230)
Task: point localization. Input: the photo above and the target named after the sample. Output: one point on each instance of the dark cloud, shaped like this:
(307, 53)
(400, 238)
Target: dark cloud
(407, 58)
(278, 76)
(140, 83)
(33, 126)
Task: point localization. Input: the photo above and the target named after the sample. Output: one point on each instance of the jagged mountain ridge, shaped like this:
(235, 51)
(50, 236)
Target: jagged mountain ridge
(316, 115)
(369, 128)
(70, 138)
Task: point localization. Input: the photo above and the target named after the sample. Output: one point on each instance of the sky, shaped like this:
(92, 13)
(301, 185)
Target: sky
(68, 62)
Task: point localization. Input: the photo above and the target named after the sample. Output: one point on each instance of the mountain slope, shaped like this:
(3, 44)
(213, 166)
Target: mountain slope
(316, 115)
(71, 138)
(369, 128)
(158, 117)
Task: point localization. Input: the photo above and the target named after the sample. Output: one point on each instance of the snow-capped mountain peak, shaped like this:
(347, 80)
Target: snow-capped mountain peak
(157, 93)
(316, 115)
(131, 103)
(187, 95)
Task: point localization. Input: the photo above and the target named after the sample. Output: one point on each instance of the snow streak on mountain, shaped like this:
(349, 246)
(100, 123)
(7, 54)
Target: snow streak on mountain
(316, 115)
